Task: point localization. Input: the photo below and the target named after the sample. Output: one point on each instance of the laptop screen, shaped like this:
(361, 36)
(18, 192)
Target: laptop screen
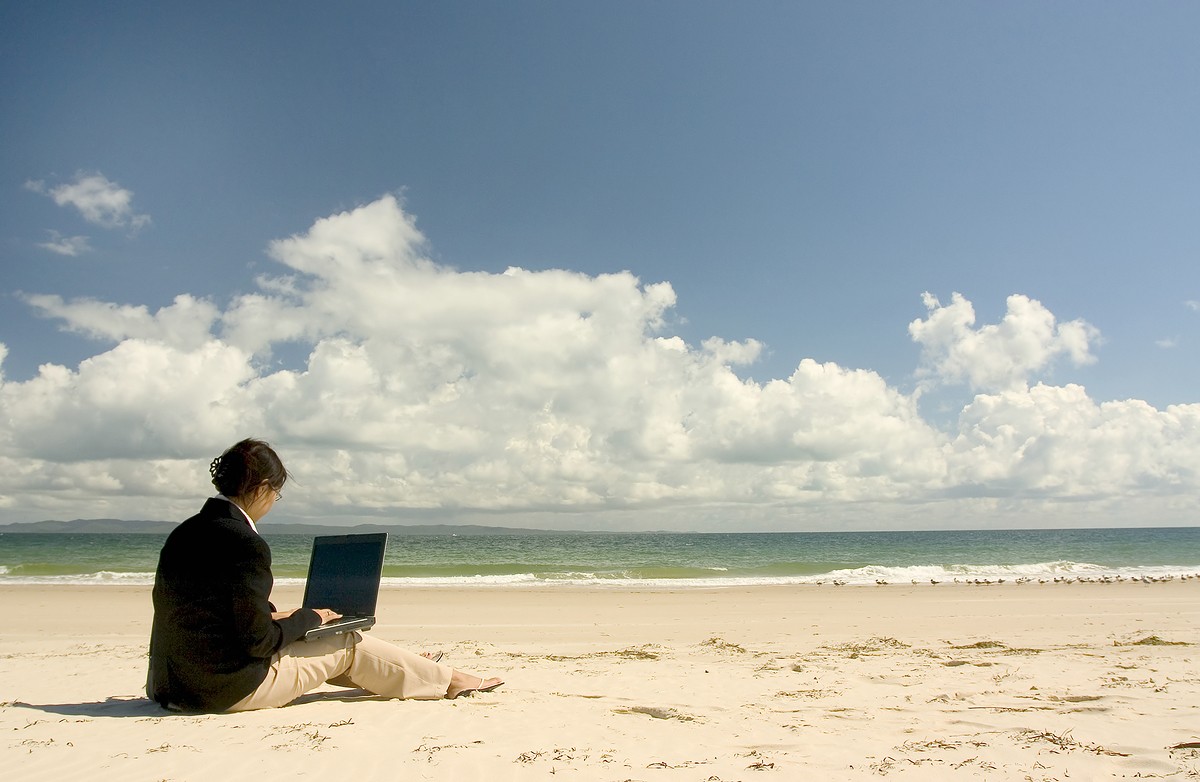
(344, 573)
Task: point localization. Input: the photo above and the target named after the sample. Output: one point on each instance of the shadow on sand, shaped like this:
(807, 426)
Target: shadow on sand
(134, 706)
(113, 706)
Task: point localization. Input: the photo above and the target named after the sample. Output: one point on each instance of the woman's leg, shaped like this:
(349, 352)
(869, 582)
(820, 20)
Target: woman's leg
(386, 669)
(350, 659)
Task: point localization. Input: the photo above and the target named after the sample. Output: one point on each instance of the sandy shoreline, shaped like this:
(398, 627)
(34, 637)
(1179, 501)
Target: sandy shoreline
(1051, 681)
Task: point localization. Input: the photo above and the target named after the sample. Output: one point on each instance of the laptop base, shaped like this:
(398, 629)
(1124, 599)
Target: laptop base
(340, 626)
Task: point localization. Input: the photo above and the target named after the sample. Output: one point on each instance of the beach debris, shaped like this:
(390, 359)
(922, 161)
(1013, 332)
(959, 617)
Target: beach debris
(638, 653)
(722, 645)
(1066, 742)
(164, 747)
(813, 694)
(1076, 698)
(657, 712)
(310, 736)
(760, 763)
(684, 764)
(882, 767)
(429, 750)
(994, 646)
(932, 744)
(37, 743)
(561, 755)
(870, 646)
(644, 652)
(1151, 640)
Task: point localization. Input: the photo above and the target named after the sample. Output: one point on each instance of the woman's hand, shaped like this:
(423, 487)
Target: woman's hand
(327, 615)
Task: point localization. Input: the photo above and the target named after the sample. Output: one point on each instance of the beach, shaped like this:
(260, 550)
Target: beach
(949, 681)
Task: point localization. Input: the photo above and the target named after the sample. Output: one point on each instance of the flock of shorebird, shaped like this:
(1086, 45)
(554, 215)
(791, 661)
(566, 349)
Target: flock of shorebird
(1056, 580)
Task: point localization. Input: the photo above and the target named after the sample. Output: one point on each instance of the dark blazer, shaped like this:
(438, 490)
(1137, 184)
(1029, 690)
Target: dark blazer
(213, 637)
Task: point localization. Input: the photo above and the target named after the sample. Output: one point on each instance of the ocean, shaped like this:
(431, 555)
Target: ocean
(675, 560)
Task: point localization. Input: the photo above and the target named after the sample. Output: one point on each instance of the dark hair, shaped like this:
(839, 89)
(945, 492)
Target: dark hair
(244, 466)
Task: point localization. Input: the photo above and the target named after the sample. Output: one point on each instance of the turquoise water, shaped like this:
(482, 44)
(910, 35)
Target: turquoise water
(634, 559)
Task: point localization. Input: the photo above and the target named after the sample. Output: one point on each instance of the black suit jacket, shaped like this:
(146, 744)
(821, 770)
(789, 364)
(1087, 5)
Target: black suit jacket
(213, 637)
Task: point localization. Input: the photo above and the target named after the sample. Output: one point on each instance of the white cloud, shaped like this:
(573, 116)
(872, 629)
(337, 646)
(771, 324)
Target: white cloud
(99, 200)
(71, 246)
(1192, 305)
(997, 356)
(525, 392)
(1167, 343)
(186, 323)
(1056, 441)
(142, 398)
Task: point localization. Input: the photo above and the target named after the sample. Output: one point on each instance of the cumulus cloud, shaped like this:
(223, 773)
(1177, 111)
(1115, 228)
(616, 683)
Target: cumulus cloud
(185, 323)
(1056, 441)
(99, 200)
(142, 399)
(998, 356)
(459, 392)
(71, 246)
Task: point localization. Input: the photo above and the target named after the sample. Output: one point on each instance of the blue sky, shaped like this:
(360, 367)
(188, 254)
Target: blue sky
(799, 174)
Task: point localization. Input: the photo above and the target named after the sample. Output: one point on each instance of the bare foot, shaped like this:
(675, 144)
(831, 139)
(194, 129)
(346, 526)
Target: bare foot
(467, 683)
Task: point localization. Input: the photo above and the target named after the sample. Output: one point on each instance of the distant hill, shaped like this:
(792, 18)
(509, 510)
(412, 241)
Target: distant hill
(91, 526)
(122, 526)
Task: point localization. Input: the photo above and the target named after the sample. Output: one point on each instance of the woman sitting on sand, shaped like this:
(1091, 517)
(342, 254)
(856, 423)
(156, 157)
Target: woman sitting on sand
(217, 644)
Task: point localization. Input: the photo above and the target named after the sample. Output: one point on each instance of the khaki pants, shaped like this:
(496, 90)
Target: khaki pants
(347, 660)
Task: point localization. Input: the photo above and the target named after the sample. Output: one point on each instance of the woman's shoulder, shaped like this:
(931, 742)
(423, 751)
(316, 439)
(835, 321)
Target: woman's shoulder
(218, 518)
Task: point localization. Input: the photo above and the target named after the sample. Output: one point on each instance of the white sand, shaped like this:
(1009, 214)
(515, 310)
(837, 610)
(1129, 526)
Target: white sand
(1011, 682)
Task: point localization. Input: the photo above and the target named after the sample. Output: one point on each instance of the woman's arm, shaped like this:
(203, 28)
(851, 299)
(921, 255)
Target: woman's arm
(326, 615)
(264, 631)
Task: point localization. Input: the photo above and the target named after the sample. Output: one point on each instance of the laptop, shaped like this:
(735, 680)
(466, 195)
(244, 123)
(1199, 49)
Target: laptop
(343, 575)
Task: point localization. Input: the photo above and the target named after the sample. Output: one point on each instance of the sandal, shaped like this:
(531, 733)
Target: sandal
(480, 688)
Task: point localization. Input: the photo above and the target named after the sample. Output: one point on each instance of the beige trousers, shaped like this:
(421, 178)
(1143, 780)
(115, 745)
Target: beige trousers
(347, 660)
